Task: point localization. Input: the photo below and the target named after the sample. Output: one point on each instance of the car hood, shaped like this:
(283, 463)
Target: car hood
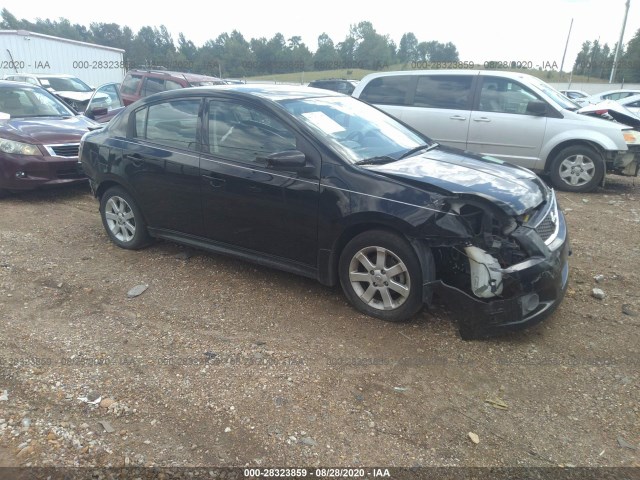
(75, 96)
(618, 112)
(514, 189)
(47, 130)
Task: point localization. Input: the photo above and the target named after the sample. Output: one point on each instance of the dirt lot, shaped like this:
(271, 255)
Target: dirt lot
(221, 363)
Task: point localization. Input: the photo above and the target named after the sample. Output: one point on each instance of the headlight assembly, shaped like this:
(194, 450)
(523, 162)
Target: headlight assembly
(631, 137)
(18, 148)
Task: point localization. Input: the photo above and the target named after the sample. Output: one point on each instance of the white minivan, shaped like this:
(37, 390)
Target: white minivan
(514, 117)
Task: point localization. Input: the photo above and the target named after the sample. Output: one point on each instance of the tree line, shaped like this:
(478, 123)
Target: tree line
(232, 55)
(596, 61)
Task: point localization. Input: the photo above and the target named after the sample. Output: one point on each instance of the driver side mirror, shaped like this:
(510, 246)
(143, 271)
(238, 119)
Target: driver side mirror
(536, 107)
(288, 160)
(94, 112)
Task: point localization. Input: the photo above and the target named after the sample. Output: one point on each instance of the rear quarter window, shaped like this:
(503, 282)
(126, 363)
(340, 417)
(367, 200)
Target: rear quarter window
(392, 90)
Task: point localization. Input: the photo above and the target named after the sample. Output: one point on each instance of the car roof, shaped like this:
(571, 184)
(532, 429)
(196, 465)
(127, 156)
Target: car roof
(170, 73)
(43, 75)
(619, 90)
(268, 92)
(13, 84)
(498, 73)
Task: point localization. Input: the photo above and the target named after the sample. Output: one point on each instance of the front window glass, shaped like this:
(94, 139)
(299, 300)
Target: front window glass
(106, 97)
(505, 96)
(354, 129)
(554, 94)
(246, 134)
(26, 102)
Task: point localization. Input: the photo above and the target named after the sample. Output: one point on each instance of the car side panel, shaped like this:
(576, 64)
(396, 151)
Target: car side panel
(166, 183)
(510, 137)
(258, 209)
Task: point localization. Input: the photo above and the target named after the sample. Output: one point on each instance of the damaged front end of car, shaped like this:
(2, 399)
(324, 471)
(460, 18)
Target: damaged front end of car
(497, 270)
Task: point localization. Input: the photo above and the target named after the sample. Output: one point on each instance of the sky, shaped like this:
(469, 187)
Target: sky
(534, 31)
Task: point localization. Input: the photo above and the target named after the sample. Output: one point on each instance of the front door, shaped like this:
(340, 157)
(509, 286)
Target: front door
(247, 204)
(500, 125)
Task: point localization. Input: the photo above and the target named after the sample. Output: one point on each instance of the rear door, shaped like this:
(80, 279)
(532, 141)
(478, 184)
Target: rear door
(441, 108)
(162, 164)
(501, 126)
(391, 93)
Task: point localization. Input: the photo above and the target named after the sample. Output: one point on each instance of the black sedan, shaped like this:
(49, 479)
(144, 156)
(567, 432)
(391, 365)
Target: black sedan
(328, 187)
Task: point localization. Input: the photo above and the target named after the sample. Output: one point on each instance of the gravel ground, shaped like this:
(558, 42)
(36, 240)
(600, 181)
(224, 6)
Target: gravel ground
(222, 363)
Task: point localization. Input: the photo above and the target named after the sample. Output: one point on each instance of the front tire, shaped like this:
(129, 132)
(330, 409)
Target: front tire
(122, 219)
(381, 276)
(577, 169)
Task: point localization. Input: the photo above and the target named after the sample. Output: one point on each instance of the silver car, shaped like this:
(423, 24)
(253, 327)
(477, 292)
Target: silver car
(513, 117)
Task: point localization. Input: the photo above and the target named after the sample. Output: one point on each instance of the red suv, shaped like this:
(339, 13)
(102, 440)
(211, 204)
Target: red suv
(142, 83)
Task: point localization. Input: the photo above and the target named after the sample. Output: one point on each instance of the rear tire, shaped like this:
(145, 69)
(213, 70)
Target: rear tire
(381, 276)
(577, 169)
(122, 219)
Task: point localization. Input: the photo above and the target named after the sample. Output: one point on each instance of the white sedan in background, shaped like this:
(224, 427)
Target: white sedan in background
(616, 95)
(631, 103)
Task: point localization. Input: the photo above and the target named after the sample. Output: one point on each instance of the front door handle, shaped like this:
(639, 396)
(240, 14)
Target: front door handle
(482, 119)
(457, 117)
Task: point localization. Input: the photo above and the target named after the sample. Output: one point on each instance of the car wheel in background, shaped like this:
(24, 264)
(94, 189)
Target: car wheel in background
(381, 276)
(122, 219)
(577, 169)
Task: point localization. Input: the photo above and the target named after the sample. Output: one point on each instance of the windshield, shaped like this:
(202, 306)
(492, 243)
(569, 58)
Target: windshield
(31, 102)
(66, 84)
(353, 128)
(555, 95)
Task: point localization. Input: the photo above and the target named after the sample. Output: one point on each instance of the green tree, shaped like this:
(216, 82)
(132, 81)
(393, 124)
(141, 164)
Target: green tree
(371, 50)
(408, 50)
(629, 62)
(186, 48)
(326, 56)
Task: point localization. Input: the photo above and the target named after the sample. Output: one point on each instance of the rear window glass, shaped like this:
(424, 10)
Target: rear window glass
(443, 91)
(152, 85)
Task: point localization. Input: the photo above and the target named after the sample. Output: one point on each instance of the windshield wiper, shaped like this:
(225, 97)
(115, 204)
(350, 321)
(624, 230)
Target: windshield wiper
(381, 160)
(419, 148)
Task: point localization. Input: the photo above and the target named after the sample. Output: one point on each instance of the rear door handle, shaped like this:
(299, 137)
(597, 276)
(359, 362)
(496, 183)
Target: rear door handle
(457, 117)
(482, 119)
(135, 158)
(215, 182)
